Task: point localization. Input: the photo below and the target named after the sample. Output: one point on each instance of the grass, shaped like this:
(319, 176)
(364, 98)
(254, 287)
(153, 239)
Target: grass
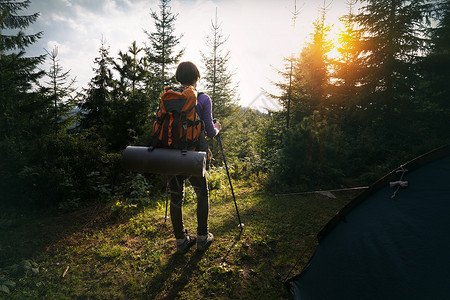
(91, 254)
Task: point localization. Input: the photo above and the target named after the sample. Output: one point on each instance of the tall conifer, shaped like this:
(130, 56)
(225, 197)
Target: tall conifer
(347, 73)
(311, 72)
(23, 111)
(162, 54)
(393, 40)
(438, 61)
(130, 106)
(217, 80)
(98, 95)
(131, 69)
(348, 67)
(18, 73)
(61, 91)
(434, 100)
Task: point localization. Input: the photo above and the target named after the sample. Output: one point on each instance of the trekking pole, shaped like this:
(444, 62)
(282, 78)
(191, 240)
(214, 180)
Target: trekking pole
(167, 199)
(229, 179)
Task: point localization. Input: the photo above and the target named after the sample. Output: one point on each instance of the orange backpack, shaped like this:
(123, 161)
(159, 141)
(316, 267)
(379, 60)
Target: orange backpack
(177, 124)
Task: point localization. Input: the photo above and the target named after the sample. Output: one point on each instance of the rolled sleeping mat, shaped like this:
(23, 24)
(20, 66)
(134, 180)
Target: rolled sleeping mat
(164, 161)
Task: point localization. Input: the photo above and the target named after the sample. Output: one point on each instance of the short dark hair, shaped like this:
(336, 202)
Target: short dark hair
(187, 73)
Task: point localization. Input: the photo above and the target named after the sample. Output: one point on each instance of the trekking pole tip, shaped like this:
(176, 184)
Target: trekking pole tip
(241, 225)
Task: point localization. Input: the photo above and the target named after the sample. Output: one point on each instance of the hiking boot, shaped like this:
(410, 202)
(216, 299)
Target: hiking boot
(203, 241)
(183, 245)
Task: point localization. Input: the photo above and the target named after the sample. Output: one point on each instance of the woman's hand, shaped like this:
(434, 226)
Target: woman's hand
(218, 126)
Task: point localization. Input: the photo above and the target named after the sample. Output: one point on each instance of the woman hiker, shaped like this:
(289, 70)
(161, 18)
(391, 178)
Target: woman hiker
(187, 75)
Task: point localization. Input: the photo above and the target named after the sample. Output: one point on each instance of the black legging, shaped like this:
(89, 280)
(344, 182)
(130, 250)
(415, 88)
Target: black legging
(176, 185)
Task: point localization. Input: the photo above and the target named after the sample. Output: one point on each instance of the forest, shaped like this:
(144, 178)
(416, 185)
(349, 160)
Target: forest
(346, 119)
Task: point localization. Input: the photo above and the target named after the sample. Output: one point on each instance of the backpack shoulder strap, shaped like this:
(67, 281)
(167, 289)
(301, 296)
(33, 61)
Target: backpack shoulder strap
(198, 95)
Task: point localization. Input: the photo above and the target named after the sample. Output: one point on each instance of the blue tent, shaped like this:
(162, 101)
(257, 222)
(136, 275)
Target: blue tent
(391, 242)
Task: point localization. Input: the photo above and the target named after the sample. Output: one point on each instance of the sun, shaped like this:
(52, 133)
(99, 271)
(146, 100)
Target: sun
(336, 39)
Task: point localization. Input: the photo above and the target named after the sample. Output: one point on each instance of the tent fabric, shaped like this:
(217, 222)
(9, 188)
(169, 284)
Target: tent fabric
(379, 247)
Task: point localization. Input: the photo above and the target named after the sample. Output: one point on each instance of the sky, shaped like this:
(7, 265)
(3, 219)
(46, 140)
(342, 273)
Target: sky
(259, 34)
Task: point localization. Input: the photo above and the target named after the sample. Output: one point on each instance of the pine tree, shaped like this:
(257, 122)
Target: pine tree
(287, 73)
(10, 20)
(306, 77)
(434, 99)
(393, 42)
(303, 157)
(438, 60)
(291, 61)
(161, 53)
(286, 86)
(315, 61)
(18, 74)
(347, 68)
(130, 105)
(95, 104)
(218, 81)
(24, 117)
(392, 33)
(310, 87)
(131, 68)
(347, 73)
(61, 91)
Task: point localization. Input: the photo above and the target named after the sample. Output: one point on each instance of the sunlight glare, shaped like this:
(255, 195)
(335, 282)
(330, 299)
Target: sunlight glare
(335, 39)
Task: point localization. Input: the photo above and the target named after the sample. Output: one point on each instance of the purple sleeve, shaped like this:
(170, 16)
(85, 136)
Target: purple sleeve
(205, 112)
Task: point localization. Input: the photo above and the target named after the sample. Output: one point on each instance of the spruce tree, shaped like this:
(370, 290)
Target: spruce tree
(217, 83)
(434, 99)
(287, 74)
(61, 91)
(18, 73)
(162, 54)
(347, 73)
(291, 61)
(437, 63)
(310, 86)
(217, 80)
(130, 105)
(131, 69)
(315, 61)
(95, 105)
(347, 68)
(393, 43)
(286, 86)
(392, 40)
(23, 111)
(306, 77)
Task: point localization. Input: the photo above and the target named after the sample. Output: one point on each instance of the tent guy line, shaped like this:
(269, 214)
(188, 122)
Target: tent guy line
(324, 192)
